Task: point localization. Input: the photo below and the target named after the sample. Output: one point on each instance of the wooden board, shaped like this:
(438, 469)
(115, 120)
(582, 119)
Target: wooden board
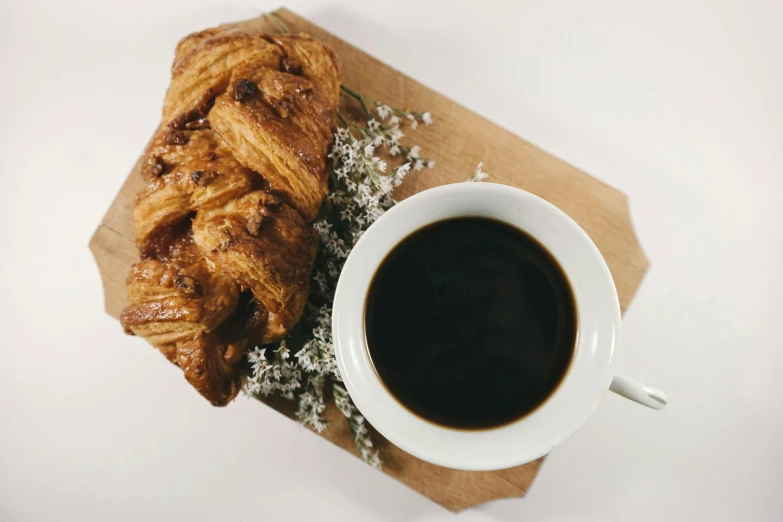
(458, 141)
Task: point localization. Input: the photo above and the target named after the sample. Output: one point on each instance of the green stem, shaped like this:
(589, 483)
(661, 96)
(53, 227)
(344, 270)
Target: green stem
(342, 119)
(361, 130)
(360, 97)
(280, 25)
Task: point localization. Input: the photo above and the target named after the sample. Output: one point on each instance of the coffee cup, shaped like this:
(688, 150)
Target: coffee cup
(590, 374)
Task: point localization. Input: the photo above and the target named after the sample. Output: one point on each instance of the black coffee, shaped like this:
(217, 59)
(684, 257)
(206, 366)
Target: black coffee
(470, 323)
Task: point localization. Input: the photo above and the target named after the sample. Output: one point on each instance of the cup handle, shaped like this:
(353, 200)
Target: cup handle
(638, 392)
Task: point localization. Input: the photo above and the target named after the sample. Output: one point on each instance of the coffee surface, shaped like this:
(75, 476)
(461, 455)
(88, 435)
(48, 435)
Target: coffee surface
(470, 323)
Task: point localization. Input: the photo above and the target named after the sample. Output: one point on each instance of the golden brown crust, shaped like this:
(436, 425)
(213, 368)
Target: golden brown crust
(254, 322)
(186, 171)
(210, 366)
(203, 68)
(192, 40)
(171, 301)
(303, 54)
(232, 181)
(176, 308)
(282, 130)
(265, 246)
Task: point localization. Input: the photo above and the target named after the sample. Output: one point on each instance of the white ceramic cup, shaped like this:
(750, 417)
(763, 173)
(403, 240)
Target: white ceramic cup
(590, 374)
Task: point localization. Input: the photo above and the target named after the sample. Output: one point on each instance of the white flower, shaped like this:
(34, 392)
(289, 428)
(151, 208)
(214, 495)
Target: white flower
(379, 164)
(369, 149)
(257, 355)
(375, 212)
(400, 173)
(418, 165)
(414, 152)
(322, 228)
(431, 164)
(386, 184)
(320, 278)
(394, 121)
(426, 118)
(478, 174)
(373, 124)
(384, 111)
(394, 150)
(412, 120)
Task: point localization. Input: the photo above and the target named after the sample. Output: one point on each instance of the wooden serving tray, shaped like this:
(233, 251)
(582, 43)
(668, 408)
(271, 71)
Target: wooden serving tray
(458, 141)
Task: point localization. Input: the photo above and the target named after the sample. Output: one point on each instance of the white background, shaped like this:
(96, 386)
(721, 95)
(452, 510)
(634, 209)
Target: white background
(677, 103)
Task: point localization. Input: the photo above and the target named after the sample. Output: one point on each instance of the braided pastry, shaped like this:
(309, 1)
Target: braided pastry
(232, 180)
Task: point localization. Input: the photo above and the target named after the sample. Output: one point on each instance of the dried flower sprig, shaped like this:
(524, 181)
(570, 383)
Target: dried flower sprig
(394, 115)
(275, 374)
(385, 129)
(357, 425)
(478, 174)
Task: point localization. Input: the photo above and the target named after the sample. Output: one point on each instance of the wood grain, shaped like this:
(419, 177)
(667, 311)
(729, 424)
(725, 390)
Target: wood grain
(458, 141)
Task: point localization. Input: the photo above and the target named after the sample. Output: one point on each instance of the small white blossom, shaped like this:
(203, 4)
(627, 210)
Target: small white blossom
(478, 174)
(379, 164)
(357, 425)
(386, 184)
(400, 173)
(396, 135)
(275, 375)
(412, 120)
(430, 164)
(320, 279)
(384, 111)
(394, 150)
(426, 118)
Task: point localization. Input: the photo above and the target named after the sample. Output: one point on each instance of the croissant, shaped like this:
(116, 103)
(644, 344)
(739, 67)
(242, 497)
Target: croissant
(232, 180)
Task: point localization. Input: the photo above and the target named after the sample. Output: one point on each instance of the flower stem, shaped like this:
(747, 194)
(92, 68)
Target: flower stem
(342, 119)
(280, 25)
(357, 96)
